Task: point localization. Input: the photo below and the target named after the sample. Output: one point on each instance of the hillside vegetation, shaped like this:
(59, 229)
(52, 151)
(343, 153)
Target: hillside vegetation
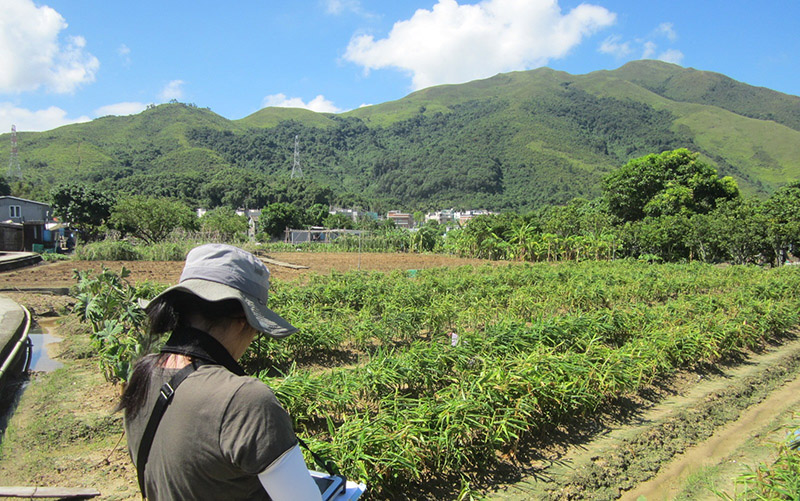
(514, 141)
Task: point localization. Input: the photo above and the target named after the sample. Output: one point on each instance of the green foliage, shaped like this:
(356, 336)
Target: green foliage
(108, 303)
(316, 214)
(777, 480)
(276, 217)
(782, 218)
(122, 250)
(108, 250)
(456, 367)
(516, 141)
(5, 188)
(84, 207)
(426, 238)
(338, 222)
(535, 346)
(671, 183)
(151, 219)
(226, 224)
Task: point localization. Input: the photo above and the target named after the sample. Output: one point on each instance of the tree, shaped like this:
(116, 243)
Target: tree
(338, 222)
(670, 183)
(316, 214)
(84, 207)
(782, 212)
(275, 218)
(737, 231)
(5, 188)
(225, 222)
(151, 218)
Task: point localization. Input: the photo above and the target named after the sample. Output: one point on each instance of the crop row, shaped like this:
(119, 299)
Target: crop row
(448, 372)
(431, 378)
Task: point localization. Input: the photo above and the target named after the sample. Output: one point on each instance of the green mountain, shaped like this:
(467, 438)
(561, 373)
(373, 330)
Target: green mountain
(512, 141)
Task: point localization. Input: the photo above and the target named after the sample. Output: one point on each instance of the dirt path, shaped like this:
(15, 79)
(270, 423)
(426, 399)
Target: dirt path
(731, 440)
(688, 445)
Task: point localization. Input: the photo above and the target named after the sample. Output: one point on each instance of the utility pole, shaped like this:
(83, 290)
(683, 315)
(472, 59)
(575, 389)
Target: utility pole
(297, 171)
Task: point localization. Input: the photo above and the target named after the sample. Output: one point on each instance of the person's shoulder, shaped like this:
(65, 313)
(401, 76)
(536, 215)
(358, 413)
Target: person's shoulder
(250, 387)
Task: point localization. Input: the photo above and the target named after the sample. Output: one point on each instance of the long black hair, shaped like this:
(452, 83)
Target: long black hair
(166, 314)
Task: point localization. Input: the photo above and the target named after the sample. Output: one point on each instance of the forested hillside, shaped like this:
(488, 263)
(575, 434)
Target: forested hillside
(513, 141)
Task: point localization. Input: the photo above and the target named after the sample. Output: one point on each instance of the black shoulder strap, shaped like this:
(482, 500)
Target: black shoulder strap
(158, 411)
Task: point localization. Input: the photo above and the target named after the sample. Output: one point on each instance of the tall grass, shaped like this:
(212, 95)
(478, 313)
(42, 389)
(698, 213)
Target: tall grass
(124, 250)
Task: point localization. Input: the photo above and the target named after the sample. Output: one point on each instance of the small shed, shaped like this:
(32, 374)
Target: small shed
(20, 210)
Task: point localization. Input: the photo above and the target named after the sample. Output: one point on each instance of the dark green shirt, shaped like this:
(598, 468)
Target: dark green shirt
(219, 432)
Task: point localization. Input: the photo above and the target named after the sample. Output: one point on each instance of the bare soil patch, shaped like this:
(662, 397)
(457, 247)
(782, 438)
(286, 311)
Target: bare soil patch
(33, 286)
(60, 274)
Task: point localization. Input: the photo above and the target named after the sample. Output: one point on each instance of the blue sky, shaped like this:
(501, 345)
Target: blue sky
(66, 61)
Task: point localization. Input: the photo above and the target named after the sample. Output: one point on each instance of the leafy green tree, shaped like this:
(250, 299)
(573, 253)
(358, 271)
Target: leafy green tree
(521, 236)
(782, 212)
(427, 237)
(736, 231)
(225, 222)
(663, 236)
(151, 219)
(5, 188)
(276, 217)
(84, 207)
(316, 214)
(338, 221)
(670, 183)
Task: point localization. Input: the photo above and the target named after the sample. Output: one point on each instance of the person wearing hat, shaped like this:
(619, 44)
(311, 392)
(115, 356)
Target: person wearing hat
(222, 434)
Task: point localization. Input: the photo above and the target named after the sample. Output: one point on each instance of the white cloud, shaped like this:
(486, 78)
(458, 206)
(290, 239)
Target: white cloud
(173, 90)
(124, 53)
(318, 104)
(649, 50)
(120, 109)
(31, 55)
(454, 43)
(338, 7)
(668, 31)
(671, 56)
(613, 46)
(38, 120)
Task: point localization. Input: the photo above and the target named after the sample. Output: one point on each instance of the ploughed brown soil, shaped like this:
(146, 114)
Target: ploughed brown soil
(37, 287)
(59, 274)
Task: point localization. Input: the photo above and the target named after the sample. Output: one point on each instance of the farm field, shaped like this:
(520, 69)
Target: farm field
(440, 383)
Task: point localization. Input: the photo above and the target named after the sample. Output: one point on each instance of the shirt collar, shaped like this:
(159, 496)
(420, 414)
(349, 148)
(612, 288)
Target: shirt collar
(196, 343)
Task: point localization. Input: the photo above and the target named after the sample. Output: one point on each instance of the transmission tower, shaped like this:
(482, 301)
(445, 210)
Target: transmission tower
(14, 170)
(297, 171)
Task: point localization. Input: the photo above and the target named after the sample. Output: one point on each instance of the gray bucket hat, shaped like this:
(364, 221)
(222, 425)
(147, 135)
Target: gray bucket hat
(216, 272)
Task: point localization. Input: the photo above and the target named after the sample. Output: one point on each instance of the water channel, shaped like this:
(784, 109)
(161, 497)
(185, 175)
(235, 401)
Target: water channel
(33, 360)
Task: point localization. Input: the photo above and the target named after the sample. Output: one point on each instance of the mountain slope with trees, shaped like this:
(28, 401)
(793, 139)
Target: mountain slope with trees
(513, 141)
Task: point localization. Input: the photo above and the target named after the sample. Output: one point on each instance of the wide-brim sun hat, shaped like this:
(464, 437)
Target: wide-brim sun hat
(216, 272)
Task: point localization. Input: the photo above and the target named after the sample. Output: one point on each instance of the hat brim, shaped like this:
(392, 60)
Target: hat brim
(258, 315)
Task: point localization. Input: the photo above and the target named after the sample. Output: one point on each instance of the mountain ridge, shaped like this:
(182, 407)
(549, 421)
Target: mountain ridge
(511, 141)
